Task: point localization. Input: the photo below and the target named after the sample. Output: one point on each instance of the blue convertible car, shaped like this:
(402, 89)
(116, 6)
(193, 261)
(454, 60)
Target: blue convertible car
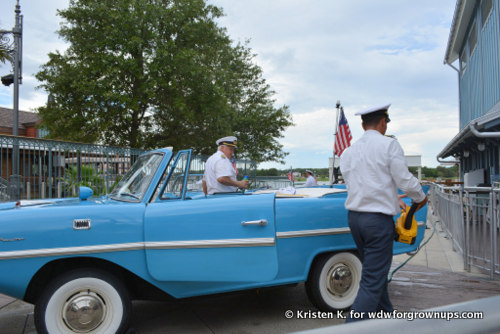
(82, 260)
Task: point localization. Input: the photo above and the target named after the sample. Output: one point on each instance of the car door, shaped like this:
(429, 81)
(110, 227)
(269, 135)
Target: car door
(222, 238)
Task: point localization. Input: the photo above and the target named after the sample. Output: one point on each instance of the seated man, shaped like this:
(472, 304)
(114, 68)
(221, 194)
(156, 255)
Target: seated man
(310, 180)
(220, 175)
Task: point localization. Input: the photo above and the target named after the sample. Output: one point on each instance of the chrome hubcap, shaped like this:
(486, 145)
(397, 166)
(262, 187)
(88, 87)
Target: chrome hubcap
(84, 311)
(339, 279)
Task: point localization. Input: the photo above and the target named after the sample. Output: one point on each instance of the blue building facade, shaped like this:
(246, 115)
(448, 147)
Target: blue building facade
(473, 51)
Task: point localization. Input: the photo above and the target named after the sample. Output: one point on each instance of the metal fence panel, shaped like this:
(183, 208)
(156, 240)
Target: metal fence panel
(272, 182)
(447, 202)
(471, 217)
(55, 169)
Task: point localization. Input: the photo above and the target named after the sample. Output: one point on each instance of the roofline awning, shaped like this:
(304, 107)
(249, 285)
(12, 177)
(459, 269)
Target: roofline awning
(482, 123)
(464, 9)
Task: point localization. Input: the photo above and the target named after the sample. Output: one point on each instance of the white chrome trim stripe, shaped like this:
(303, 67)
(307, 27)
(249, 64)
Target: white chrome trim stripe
(70, 250)
(250, 242)
(211, 243)
(310, 233)
(319, 232)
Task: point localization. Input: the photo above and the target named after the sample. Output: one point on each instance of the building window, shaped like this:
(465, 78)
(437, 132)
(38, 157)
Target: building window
(30, 132)
(486, 7)
(43, 132)
(472, 38)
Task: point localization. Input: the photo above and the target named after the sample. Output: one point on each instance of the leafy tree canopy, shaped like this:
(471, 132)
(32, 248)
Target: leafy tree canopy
(427, 172)
(154, 73)
(4, 51)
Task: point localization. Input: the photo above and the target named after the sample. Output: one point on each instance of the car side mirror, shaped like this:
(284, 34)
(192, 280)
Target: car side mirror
(85, 193)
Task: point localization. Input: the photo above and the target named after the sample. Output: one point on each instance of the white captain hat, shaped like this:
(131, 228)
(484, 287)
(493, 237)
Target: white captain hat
(228, 141)
(375, 111)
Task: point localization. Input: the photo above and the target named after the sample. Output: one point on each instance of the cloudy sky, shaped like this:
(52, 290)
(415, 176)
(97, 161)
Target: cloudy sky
(314, 53)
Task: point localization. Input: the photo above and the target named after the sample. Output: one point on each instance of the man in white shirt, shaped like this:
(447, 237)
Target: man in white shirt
(373, 168)
(310, 180)
(220, 174)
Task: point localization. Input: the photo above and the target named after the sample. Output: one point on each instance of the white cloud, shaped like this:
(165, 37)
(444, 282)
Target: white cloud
(40, 23)
(361, 52)
(314, 53)
(312, 130)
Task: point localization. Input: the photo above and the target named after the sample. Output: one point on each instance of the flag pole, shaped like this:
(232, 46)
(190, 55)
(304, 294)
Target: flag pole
(290, 177)
(337, 106)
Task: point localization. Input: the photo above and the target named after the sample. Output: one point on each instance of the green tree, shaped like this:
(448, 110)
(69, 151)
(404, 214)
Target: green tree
(4, 53)
(440, 171)
(268, 172)
(152, 73)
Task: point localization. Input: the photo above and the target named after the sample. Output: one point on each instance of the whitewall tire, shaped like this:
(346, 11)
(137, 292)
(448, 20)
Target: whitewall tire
(83, 301)
(333, 281)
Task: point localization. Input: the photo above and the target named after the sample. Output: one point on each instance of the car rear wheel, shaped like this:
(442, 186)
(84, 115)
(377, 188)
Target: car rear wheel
(83, 301)
(333, 281)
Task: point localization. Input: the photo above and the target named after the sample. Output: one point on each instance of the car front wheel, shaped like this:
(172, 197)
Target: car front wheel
(83, 301)
(333, 281)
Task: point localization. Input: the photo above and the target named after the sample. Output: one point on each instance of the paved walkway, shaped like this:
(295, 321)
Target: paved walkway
(434, 277)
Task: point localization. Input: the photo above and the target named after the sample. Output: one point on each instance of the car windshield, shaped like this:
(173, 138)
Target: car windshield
(134, 184)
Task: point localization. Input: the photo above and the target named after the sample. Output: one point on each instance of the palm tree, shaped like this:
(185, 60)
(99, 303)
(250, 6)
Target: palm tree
(4, 49)
(4, 55)
(89, 177)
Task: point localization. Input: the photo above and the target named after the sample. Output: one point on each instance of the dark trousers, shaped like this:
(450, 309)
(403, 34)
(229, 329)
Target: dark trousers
(374, 237)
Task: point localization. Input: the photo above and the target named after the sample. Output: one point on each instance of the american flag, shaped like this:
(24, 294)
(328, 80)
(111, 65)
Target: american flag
(290, 175)
(343, 137)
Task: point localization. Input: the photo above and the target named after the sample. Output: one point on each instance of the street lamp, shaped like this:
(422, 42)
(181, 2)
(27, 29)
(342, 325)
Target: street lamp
(8, 79)
(14, 51)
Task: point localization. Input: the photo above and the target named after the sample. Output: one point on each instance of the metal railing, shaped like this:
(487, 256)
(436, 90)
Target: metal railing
(245, 167)
(470, 216)
(55, 169)
(52, 168)
(447, 203)
(272, 182)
